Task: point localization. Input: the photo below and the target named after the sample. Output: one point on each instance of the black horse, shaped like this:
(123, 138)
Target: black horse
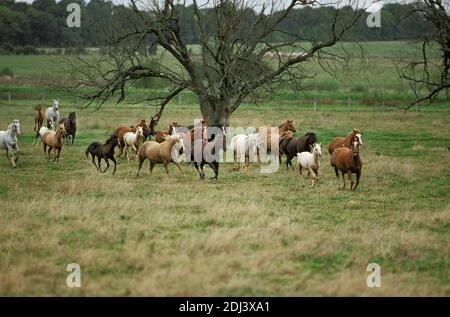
(70, 124)
(291, 146)
(103, 151)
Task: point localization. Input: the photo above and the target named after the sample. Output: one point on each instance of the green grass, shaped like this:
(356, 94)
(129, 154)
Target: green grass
(249, 234)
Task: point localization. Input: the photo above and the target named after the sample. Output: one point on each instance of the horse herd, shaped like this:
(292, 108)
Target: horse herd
(169, 146)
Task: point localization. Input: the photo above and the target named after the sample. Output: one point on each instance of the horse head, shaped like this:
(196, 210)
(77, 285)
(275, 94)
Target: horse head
(288, 125)
(311, 138)
(15, 127)
(55, 105)
(357, 134)
(355, 146)
(317, 149)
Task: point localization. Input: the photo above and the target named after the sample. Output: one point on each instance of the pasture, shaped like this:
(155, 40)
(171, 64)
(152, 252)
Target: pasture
(248, 233)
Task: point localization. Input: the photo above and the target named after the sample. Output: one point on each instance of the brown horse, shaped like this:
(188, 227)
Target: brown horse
(119, 132)
(38, 118)
(160, 136)
(54, 140)
(291, 146)
(265, 135)
(340, 141)
(348, 161)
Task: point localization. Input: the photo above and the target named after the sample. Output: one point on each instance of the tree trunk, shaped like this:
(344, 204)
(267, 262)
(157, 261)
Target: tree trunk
(215, 112)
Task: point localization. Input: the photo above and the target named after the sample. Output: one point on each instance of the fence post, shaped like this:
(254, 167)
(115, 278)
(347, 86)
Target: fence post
(9, 97)
(315, 104)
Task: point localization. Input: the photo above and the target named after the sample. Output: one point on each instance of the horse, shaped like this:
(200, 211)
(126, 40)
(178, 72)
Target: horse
(244, 149)
(160, 136)
(8, 141)
(153, 123)
(310, 162)
(265, 136)
(52, 113)
(134, 140)
(40, 133)
(348, 161)
(38, 118)
(103, 151)
(291, 146)
(203, 152)
(159, 153)
(54, 140)
(119, 132)
(70, 124)
(340, 141)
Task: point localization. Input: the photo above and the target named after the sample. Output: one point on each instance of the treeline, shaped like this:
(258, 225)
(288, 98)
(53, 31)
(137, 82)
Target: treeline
(25, 27)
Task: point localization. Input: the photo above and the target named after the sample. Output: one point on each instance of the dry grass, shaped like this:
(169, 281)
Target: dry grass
(247, 234)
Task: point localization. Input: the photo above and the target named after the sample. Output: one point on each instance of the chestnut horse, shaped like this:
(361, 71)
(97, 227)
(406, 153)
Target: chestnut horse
(38, 118)
(340, 141)
(160, 136)
(119, 132)
(348, 161)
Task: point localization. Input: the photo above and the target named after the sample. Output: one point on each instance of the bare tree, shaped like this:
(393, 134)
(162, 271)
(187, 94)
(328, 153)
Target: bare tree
(428, 76)
(237, 58)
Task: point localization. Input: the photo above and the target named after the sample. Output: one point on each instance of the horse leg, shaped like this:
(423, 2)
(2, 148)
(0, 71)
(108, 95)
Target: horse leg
(215, 167)
(50, 148)
(139, 167)
(10, 154)
(93, 161)
(120, 149)
(152, 165)
(73, 138)
(115, 164)
(358, 175)
(166, 168)
(300, 168)
(57, 155)
(343, 178)
(107, 164)
(126, 153)
(349, 172)
(99, 163)
(313, 177)
(198, 170)
(179, 167)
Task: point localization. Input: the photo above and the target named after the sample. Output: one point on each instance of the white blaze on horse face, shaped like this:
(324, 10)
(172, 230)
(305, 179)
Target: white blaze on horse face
(359, 138)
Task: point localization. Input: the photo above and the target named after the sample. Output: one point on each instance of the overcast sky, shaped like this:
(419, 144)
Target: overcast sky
(372, 5)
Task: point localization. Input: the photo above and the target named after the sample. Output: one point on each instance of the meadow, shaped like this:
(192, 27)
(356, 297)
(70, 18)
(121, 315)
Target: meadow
(248, 234)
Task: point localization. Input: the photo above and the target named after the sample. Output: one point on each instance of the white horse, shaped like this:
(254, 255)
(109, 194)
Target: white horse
(8, 141)
(52, 113)
(310, 162)
(244, 149)
(133, 140)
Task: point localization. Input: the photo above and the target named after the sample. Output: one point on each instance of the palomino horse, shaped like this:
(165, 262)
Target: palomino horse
(265, 136)
(120, 132)
(291, 146)
(348, 161)
(38, 118)
(52, 113)
(8, 141)
(54, 140)
(347, 141)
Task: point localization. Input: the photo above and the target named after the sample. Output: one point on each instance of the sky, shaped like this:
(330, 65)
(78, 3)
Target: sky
(372, 5)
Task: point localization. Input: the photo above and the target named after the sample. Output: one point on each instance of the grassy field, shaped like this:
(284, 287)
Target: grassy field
(247, 234)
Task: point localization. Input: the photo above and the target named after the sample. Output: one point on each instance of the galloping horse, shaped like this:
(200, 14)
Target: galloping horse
(8, 141)
(52, 113)
(292, 146)
(119, 132)
(347, 141)
(70, 124)
(348, 161)
(54, 140)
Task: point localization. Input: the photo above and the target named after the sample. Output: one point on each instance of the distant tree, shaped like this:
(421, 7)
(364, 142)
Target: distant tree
(428, 76)
(236, 60)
